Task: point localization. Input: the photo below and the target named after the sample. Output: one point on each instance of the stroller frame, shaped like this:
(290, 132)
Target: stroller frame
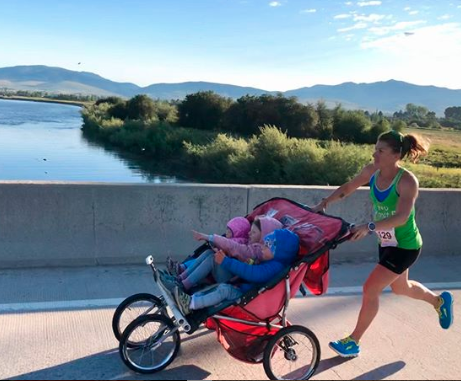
(169, 327)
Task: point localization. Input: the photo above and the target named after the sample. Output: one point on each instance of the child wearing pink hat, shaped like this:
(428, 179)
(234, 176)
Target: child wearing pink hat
(250, 253)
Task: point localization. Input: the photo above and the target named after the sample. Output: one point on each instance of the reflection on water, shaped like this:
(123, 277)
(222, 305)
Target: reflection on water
(43, 141)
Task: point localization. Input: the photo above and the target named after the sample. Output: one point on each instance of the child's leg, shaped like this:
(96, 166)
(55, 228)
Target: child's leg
(214, 296)
(195, 263)
(200, 272)
(220, 274)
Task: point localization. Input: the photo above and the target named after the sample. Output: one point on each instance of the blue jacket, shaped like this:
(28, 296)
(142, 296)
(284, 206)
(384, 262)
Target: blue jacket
(286, 249)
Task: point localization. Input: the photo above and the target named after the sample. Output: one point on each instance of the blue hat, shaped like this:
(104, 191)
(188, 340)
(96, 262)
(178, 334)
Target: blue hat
(283, 243)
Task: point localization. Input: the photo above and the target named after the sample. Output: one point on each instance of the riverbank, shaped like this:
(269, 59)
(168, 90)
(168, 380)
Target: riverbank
(45, 100)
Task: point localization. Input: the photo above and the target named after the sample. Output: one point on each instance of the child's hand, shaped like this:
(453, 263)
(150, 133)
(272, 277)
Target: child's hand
(200, 236)
(219, 257)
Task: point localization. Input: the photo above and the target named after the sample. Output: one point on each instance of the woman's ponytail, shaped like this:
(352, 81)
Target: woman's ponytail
(413, 147)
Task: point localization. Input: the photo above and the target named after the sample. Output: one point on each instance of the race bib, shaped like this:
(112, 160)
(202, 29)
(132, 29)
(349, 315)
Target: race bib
(387, 238)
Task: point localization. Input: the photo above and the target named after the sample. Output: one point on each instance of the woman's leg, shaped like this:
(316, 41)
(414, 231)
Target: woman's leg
(214, 296)
(377, 281)
(413, 289)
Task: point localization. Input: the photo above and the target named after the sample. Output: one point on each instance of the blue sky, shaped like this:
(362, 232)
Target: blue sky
(273, 45)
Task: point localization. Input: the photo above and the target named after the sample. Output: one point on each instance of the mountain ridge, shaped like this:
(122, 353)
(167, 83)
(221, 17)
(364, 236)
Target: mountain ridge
(386, 96)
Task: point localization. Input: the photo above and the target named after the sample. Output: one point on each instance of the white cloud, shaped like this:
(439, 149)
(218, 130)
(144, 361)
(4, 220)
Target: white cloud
(275, 4)
(380, 31)
(370, 18)
(342, 16)
(309, 11)
(359, 25)
(350, 3)
(440, 40)
(444, 17)
(367, 3)
(407, 9)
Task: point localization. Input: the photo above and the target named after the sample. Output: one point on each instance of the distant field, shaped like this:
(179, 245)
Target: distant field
(442, 167)
(445, 138)
(46, 100)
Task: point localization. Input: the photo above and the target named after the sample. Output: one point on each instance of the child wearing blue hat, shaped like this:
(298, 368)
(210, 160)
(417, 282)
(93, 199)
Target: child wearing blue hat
(279, 251)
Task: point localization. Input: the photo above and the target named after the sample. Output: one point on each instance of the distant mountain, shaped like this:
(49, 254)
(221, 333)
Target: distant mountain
(58, 80)
(180, 90)
(388, 97)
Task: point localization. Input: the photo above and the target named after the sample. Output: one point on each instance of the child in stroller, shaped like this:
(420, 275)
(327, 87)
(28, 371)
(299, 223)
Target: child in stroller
(279, 251)
(237, 230)
(204, 265)
(253, 328)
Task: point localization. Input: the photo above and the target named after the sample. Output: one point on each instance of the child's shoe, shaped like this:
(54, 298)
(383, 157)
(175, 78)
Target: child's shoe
(182, 300)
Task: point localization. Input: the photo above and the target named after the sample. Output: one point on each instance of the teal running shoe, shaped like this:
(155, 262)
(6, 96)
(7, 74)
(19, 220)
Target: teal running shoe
(445, 310)
(170, 282)
(346, 347)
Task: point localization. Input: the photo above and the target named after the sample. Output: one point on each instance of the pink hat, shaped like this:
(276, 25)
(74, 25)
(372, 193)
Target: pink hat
(240, 227)
(268, 225)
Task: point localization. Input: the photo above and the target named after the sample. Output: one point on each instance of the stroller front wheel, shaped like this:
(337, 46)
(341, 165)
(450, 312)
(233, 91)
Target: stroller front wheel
(134, 306)
(293, 353)
(149, 344)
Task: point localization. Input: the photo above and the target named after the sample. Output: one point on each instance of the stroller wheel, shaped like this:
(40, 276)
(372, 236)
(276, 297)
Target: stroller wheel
(154, 343)
(133, 307)
(292, 354)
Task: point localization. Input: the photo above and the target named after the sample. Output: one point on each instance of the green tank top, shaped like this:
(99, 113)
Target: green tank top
(384, 203)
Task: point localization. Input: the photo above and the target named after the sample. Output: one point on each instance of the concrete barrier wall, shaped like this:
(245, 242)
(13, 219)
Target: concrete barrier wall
(56, 224)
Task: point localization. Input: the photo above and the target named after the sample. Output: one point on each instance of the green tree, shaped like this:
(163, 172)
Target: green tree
(399, 125)
(111, 100)
(378, 128)
(453, 113)
(325, 121)
(141, 107)
(352, 126)
(250, 113)
(203, 110)
(119, 110)
(166, 111)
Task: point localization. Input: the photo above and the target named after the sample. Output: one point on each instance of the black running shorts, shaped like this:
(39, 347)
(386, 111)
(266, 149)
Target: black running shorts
(396, 259)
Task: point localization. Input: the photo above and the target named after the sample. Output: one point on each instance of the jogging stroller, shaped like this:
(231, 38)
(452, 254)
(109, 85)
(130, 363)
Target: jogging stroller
(250, 329)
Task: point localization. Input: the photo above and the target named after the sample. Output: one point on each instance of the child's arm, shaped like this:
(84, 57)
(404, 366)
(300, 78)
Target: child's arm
(251, 273)
(235, 249)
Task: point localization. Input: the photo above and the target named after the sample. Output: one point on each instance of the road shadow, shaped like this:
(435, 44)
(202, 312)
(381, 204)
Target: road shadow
(331, 363)
(383, 371)
(380, 373)
(108, 366)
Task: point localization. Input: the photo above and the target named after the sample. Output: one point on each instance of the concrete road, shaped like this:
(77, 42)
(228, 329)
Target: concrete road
(56, 324)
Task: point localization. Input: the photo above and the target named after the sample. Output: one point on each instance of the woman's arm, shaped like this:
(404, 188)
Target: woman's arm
(346, 189)
(408, 192)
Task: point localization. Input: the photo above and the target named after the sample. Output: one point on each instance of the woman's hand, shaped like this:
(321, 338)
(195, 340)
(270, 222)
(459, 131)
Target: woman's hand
(200, 236)
(359, 232)
(219, 257)
(320, 207)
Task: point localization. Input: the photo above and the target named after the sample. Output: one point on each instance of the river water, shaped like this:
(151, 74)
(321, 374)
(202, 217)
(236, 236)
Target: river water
(43, 141)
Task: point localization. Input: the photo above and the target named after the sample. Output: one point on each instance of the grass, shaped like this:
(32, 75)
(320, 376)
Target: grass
(442, 167)
(447, 138)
